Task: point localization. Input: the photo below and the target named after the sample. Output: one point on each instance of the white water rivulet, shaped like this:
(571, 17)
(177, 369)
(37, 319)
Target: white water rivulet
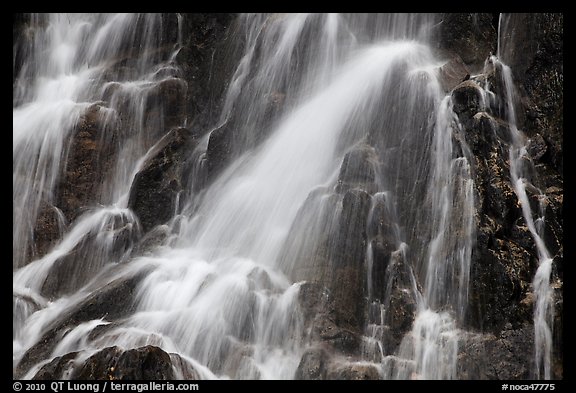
(362, 124)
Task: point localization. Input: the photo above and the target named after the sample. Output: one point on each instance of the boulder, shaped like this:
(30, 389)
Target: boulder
(113, 363)
(58, 368)
(146, 363)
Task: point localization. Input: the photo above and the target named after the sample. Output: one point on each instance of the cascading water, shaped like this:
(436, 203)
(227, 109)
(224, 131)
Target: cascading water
(327, 114)
(521, 173)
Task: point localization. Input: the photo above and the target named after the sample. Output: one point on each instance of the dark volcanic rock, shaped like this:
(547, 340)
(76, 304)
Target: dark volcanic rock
(183, 369)
(348, 281)
(330, 329)
(471, 36)
(219, 151)
(334, 306)
(56, 368)
(313, 365)
(206, 62)
(165, 106)
(313, 298)
(536, 147)
(156, 187)
(103, 245)
(49, 227)
(113, 363)
(453, 73)
(399, 299)
(505, 258)
(91, 154)
(113, 301)
(508, 356)
(358, 169)
(467, 100)
(501, 269)
(533, 48)
(146, 363)
(309, 243)
(353, 371)
(320, 313)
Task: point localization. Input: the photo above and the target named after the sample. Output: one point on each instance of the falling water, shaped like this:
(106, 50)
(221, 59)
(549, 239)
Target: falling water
(521, 172)
(67, 73)
(222, 291)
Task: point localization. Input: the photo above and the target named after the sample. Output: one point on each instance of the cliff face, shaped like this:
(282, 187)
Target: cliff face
(500, 314)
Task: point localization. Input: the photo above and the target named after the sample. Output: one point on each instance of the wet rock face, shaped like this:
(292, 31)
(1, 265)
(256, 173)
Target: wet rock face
(166, 102)
(312, 365)
(505, 258)
(354, 372)
(203, 61)
(467, 100)
(219, 150)
(157, 186)
(400, 301)
(358, 169)
(472, 36)
(91, 155)
(533, 48)
(109, 245)
(506, 356)
(348, 282)
(501, 269)
(48, 229)
(325, 323)
(333, 300)
(114, 301)
(452, 73)
(145, 363)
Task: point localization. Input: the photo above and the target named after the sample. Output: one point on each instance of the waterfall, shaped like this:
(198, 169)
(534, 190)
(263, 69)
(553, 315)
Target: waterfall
(521, 176)
(346, 171)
